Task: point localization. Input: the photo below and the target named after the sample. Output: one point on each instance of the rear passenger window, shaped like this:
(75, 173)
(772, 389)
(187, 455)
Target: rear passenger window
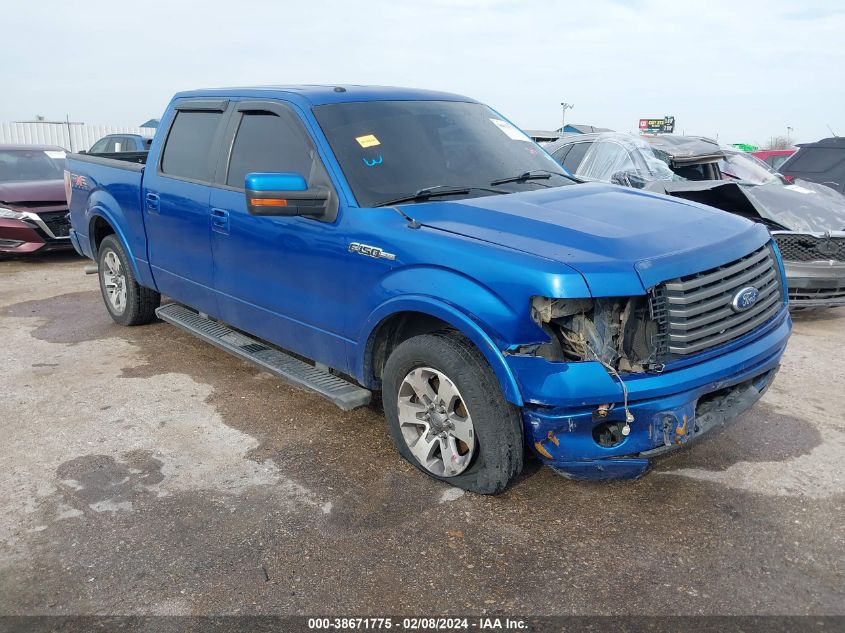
(188, 151)
(560, 154)
(815, 159)
(575, 156)
(269, 143)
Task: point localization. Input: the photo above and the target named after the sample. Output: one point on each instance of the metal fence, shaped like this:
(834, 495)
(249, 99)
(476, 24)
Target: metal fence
(71, 135)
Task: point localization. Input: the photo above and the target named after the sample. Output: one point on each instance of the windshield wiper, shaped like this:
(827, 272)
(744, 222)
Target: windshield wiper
(435, 192)
(534, 174)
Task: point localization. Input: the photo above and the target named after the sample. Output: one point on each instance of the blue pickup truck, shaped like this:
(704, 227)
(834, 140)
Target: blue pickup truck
(357, 240)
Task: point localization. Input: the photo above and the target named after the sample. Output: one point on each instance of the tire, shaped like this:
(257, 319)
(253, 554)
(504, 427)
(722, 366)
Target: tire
(449, 364)
(128, 302)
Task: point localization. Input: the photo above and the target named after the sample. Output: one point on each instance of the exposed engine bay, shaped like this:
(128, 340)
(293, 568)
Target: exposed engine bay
(618, 332)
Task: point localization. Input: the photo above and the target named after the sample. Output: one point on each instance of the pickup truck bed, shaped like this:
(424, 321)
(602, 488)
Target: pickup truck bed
(128, 157)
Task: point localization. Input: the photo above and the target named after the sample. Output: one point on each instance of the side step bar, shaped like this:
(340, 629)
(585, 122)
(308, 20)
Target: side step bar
(343, 393)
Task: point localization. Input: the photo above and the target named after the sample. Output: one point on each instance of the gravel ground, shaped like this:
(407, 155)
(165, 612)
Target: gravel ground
(146, 472)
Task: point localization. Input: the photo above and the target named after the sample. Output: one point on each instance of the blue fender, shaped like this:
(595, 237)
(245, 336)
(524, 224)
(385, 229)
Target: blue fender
(454, 317)
(102, 212)
(100, 204)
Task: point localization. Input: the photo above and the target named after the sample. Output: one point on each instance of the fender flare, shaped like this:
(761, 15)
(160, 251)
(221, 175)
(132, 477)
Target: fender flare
(98, 211)
(454, 317)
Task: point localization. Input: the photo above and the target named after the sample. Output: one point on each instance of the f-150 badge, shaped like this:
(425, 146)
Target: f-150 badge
(370, 251)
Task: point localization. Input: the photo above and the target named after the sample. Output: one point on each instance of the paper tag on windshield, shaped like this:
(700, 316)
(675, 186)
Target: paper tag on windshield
(368, 140)
(55, 154)
(509, 130)
(798, 189)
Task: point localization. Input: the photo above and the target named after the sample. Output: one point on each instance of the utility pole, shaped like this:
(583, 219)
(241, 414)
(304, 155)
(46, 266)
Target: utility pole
(564, 107)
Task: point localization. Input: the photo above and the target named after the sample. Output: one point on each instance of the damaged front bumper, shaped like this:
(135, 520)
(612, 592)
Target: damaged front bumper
(571, 428)
(819, 284)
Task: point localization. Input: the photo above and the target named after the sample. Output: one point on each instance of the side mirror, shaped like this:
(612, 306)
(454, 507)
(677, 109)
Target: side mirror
(284, 194)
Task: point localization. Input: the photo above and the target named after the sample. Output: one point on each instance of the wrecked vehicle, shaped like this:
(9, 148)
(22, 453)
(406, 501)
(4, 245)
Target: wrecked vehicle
(355, 239)
(807, 220)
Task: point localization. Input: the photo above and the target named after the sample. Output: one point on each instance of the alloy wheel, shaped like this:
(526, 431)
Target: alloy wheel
(435, 422)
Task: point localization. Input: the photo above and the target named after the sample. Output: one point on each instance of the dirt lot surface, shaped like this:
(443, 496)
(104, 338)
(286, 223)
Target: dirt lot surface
(143, 471)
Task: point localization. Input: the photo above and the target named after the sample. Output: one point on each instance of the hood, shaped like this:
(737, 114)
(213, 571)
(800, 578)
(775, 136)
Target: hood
(802, 206)
(684, 149)
(29, 191)
(621, 240)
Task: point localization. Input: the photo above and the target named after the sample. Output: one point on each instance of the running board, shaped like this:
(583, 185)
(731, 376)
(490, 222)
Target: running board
(343, 393)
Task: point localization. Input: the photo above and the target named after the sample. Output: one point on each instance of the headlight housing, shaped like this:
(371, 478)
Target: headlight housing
(617, 331)
(11, 215)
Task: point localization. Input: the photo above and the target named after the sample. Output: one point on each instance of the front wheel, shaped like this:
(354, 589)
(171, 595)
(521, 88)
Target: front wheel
(128, 302)
(447, 415)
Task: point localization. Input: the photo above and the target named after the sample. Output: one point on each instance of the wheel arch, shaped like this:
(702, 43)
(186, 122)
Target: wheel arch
(101, 226)
(401, 318)
(98, 229)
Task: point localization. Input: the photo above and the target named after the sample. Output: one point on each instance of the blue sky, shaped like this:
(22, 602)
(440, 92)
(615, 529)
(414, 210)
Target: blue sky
(742, 70)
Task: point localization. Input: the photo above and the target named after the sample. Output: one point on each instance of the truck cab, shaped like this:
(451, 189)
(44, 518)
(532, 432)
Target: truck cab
(418, 245)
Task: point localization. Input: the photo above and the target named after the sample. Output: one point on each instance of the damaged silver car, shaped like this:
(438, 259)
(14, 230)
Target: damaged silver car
(806, 220)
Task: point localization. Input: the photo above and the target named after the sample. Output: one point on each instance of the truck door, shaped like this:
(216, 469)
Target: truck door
(175, 199)
(281, 278)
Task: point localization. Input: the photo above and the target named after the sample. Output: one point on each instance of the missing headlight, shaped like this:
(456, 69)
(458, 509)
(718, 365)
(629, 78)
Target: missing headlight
(616, 331)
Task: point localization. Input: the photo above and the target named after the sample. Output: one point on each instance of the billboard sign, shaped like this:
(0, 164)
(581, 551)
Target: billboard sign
(666, 125)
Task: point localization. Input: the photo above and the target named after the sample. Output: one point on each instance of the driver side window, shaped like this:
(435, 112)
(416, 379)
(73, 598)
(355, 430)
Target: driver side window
(267, 142)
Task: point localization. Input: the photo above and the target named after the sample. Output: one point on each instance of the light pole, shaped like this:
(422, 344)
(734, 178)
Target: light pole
(564, 107)
(789, 135)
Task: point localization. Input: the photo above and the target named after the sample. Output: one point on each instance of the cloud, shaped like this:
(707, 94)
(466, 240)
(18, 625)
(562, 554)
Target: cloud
(742, 70)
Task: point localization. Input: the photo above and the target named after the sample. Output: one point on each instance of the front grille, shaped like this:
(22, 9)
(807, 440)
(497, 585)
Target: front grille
(809, 248)
(799, 295)
(694, 312)
(57, 222)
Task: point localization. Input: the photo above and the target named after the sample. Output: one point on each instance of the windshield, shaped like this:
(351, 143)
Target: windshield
(392, 149)
(19, 165)
(738, 166)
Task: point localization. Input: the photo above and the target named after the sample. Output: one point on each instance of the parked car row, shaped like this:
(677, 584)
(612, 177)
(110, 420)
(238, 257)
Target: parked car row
(496, 298)
(807, 220)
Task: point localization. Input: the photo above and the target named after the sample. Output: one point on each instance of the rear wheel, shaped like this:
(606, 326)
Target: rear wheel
(447, 415)
(128, 302)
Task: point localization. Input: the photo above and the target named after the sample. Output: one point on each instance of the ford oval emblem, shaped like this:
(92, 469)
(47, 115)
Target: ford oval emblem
(744, 299)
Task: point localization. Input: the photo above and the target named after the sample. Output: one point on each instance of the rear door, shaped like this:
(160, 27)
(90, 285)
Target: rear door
(281, 278)
(175, 198)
